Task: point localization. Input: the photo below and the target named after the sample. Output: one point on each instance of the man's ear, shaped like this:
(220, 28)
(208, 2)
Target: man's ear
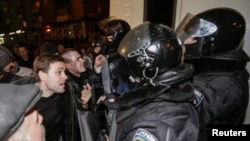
(42, 75)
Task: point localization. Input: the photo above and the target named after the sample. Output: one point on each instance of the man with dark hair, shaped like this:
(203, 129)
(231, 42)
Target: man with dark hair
(25, 58)
(50, 77)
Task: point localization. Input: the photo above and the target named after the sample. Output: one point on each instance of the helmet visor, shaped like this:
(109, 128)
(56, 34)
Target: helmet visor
(193, 26)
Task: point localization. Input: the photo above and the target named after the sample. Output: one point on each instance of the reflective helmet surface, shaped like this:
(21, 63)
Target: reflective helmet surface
(150, 49)
(218, 32)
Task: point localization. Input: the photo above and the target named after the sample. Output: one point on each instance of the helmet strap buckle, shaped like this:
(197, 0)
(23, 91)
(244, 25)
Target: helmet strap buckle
(152, 77)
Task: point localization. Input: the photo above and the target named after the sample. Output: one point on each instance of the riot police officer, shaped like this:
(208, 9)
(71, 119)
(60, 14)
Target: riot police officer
(114, 30)
(214, 40)
(162, 108)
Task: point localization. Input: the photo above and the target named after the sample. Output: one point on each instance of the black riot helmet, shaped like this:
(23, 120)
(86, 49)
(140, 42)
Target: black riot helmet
(97, 45)
(97, 40)
(117, 28)
(150, 50)
(219, 33)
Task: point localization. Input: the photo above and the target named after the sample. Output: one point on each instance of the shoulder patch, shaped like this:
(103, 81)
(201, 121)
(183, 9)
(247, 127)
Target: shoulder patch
(144, 135)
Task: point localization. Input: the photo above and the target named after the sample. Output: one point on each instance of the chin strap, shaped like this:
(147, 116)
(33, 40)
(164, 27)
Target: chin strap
(150, 78)
(175, 75)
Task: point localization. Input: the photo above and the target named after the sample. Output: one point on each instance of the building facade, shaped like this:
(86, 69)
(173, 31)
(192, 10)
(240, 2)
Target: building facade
(38, 20)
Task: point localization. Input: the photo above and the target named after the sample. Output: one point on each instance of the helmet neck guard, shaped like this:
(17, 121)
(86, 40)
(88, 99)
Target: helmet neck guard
(173, 76)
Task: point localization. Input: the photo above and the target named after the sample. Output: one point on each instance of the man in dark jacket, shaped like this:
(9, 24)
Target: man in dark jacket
(162, 108)
(214, 40)
(78, 75)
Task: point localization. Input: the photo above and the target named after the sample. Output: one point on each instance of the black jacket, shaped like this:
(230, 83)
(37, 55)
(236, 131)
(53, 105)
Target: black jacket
(149, 112)
(226, 96)
(73, 90)
(224, 84)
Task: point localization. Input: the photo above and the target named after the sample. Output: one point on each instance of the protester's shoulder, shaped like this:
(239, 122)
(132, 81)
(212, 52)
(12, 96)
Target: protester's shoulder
(8, 78)
(219, 81)
(210, 77)
(25, 80)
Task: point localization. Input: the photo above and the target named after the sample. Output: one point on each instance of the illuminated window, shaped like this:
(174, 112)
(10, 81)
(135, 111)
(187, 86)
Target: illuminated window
(37, 4)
